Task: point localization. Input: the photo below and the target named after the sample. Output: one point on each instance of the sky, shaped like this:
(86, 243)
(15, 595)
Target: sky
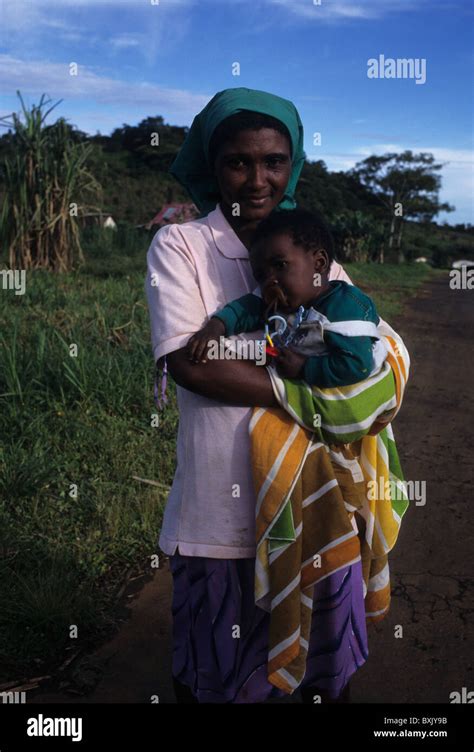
(141, 58)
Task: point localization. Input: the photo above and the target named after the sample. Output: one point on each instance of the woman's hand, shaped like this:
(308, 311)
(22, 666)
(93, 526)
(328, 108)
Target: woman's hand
(289, 363)
(199, 342)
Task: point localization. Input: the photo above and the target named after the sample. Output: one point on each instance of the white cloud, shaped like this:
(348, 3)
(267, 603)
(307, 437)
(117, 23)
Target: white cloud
(124, 41)
(17, 15)
(334, 10)
(37, 16)
(36, 77)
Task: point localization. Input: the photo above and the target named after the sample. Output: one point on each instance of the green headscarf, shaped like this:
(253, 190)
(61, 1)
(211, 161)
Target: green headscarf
(191, 165)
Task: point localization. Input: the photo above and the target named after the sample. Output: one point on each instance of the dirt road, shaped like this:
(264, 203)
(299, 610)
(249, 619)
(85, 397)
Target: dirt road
(431, 566)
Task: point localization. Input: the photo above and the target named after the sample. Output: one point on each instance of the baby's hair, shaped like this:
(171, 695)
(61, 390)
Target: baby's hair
(307, 229)
(242, 121)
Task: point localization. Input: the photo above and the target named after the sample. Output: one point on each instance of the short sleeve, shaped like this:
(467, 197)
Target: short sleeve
(174, 299)
(336, 272)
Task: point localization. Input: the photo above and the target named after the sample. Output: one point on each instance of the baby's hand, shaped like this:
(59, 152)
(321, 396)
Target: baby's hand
(289, 363)
(198, 343)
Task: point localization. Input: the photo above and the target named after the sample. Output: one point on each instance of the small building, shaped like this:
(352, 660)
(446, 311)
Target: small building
(171, 214)
(110, 223)
(97, 218)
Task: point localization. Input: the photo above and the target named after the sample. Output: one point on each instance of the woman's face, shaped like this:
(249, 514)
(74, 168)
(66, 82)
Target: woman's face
(253, 171)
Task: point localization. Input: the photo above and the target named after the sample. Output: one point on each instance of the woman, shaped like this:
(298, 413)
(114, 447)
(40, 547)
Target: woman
(241, 159)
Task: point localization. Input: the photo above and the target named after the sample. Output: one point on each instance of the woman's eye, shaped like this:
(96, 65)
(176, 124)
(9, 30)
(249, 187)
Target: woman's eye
(275, 161)
(236, 163)
(281, 264)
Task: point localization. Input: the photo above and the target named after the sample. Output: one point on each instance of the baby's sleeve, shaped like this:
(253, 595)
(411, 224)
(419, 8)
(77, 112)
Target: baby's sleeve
(350, 358)
(175, 303)
(242, 315)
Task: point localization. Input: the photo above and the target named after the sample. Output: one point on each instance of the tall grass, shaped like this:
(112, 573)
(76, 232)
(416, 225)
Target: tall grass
(82, 420)
(47, 182)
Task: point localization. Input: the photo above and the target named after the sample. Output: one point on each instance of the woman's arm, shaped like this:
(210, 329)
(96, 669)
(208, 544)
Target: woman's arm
(233, 382)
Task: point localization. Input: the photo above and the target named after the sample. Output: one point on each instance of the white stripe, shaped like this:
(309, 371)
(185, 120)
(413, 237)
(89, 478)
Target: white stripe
(377, 613)
(357, 389)
(284, 644)
(380, 580)
(338, 569)
(286, 591)
(349, 464)
(316, 445)
(369, 528)
(382, 450)
(334, 543)
(257, 414)
(306, 600)
(275, 554)
(349, 507)
(362, 424)
(320, 492)
(368, 467)
(288, 677)
(386, 547)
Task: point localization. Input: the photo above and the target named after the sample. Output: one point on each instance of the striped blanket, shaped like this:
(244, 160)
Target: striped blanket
(330, 492)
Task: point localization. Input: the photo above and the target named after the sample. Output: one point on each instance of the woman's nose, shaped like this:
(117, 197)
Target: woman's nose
(257, 178)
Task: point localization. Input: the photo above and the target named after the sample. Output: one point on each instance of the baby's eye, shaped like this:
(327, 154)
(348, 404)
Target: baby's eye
(281, 264)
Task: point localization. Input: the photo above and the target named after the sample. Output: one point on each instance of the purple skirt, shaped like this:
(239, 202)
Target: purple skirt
(220, 637)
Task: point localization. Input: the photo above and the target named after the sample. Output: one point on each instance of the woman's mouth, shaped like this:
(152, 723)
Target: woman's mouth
(256, 202)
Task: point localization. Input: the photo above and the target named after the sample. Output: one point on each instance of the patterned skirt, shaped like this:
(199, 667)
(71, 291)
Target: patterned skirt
(220, 637)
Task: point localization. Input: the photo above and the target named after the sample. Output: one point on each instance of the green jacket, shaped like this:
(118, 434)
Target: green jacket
(349, 359)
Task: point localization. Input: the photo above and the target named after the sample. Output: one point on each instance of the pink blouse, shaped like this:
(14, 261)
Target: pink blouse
(194, 269)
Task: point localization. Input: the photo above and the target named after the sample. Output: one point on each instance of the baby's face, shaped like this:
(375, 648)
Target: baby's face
(285, 272)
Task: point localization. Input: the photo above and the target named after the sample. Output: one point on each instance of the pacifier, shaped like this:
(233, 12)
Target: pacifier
(270, 348)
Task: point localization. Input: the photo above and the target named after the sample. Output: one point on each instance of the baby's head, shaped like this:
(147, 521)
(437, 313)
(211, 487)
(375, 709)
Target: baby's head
(291, 254)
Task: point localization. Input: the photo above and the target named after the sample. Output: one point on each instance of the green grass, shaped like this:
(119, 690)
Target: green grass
(85, 420)
(82, 420)
(389, 285)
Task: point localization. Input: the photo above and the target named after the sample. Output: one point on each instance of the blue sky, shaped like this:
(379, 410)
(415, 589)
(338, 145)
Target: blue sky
(136, 58)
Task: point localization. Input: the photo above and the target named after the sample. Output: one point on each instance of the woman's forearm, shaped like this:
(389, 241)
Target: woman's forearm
(233, 382)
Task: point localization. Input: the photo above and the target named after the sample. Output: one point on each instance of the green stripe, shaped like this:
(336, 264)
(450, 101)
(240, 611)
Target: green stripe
(283, 531)
(338, 413)
(307, 403)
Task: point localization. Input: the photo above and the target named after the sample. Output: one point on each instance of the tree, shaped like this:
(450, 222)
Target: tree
(358, 237)
(406, 185)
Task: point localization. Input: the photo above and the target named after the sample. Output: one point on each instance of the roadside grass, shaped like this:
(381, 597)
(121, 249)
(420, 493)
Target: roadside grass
(74, 431)
(390, 285)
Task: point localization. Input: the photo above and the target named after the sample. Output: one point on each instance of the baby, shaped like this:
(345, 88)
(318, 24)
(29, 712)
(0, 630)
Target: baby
(326, 332)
